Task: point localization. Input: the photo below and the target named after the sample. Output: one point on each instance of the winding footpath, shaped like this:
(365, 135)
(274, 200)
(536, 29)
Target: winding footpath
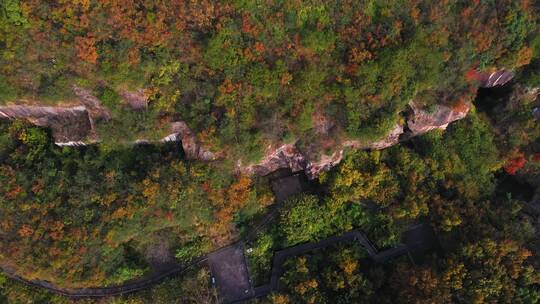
(277, 269)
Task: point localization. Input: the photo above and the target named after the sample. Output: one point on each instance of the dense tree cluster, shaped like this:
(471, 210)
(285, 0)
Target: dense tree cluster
(86, 216)
(454, 180)
(247, 74)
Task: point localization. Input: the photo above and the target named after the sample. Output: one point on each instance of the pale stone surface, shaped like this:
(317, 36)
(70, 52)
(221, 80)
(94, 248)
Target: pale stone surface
(285, 156)
(423, 121)
(326, 162)
(391, 139)
(289, 156)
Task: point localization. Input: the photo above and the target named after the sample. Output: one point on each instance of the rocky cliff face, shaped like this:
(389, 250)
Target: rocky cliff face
(419, 122)
(72, 125)
(92, 104)
(68, 124)
(423, 121)
(285, 156)
(290, 156)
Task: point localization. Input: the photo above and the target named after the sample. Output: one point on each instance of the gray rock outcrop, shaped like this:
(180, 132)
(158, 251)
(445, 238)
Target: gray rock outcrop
(289, 156)
(285, 156)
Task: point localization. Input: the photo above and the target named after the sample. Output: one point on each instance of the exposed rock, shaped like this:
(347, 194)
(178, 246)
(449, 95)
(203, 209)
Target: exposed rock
(192, 148)
(326, 162)
(285, 156)
(136, 100)
(96, 110)
(168, 138)
(424, 121)
(391, 139)
(71, 144)
(489, 80)
(68, 124)
(289, 156)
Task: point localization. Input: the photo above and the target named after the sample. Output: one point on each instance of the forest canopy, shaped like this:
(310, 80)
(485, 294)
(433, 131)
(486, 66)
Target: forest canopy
(191, 107)
(247, 73)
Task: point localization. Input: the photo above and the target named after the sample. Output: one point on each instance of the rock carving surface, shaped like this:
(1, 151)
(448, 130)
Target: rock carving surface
(289, 156)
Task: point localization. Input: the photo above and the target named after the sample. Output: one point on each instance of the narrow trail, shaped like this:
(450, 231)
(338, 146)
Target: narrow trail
(99, 292)
(279, 259)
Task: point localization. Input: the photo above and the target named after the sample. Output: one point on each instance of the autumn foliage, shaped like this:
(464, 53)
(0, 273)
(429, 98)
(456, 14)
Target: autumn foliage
(515, 164)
